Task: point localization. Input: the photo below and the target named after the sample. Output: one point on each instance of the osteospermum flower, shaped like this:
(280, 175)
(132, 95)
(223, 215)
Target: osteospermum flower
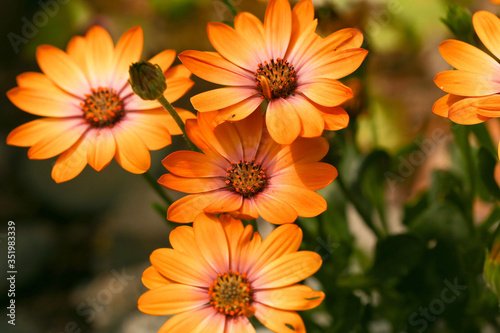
(91, 113)
(246, 173)
(218, 274)
(282, 61)
(473, 89)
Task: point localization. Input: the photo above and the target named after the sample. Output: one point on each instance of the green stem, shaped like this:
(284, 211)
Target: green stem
(253, 223)
(163, 101)
(359, 207)
(231, 7)
(157, 187)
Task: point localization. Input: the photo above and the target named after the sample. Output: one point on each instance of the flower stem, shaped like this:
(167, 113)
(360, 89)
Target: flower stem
(163, 101)
(359, 207)
(156, 187)
(230, 6)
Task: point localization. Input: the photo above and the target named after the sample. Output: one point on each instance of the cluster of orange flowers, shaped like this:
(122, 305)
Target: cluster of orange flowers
(219, 273)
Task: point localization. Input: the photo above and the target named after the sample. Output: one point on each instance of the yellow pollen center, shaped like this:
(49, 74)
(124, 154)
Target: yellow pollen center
(246, 178)
(276, 79)
(102, 107)
(231, 294)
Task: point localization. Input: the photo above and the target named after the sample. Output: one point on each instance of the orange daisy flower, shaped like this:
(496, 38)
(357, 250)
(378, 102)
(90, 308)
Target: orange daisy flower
(246, 173)
(282, 61)
(473, 89)
(91, 113)
(217, 275)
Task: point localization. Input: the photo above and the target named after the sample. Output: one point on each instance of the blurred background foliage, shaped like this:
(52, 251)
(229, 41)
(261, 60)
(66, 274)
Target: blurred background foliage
(427, 190)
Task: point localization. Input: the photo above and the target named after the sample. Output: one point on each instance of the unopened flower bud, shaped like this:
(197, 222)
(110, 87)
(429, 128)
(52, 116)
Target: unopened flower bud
(147, 80)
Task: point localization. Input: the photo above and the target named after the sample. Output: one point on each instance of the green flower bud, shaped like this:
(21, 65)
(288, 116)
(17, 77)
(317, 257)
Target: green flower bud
(147, 80)
(459, 21)
(492, 268)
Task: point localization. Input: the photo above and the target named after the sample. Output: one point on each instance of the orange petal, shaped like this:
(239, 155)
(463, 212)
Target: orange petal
(191, 185)
(279, 320)
(229, 141)
(313, 176)
(134, 102)
(131, 152)
(217, 99)
(338, 65)
(294, 298)
(487, 26)
(171, 299)
(326, 92)
(312, 123)
(302, 16)
(178, 71)
(102, 148)
(342, 40)
(273, 210)
(252, 29)
(212, 67)
(465, 112)
(30, 133)
(466, 83)
(287, 270)
(154, 134)
(232, 46)
(278, 27)
(239, 110)
(247, 211)
(177, 87)
(233, 229)
(301, 50)
(187, 208)
(45, 103)
(182, 239)
(152, 279)
(247, 249)
(70, 163)
(469, 58)
(201, 320)
(59, 141)
(240, 325)
(99, 56)
(442, 105)
(180, 267)
(128, 50)
(171, 124)
(306, 203)
(336, 118)
(282, 121)
(282, 240)
(192, 164)
(250, 132)
(38, 81)
(224, 201)
(302, 150)
(77, 50)
(62, 70)
(488, 106)
(212, 242)
(164, 59)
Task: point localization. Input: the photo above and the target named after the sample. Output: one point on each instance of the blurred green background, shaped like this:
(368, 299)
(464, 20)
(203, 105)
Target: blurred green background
(82, 245)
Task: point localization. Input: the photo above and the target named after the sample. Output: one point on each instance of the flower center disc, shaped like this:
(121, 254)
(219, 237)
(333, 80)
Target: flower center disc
(276, 79)
(103, 107)
(246, 178)
(231, 293)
